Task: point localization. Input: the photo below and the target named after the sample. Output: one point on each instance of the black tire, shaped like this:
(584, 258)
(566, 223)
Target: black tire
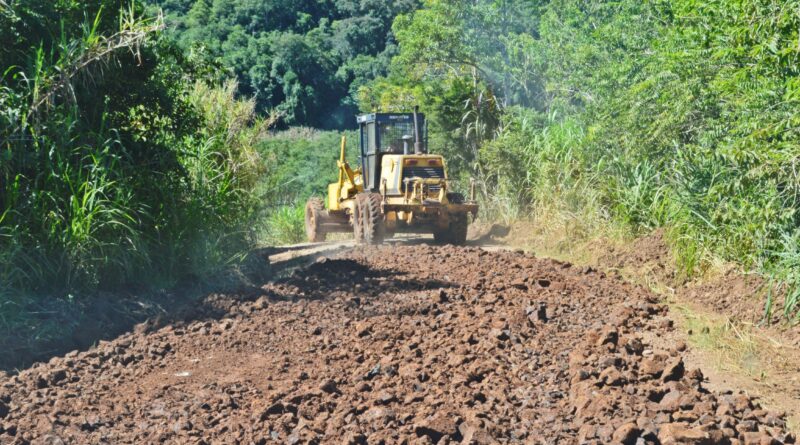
(456, 198)
(315, 212)
(372, 215)
(358, 219)
(456, 232)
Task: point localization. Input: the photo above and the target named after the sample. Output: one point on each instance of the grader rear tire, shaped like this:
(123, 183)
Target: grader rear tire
(358, 219)
(456, 232)
(315, 212)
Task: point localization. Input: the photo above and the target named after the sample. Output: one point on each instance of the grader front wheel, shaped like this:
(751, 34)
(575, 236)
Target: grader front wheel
(372, 220)
(315, 211)
(456, 232)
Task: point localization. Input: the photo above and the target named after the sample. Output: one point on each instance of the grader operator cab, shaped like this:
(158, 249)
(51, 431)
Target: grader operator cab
(398, 188)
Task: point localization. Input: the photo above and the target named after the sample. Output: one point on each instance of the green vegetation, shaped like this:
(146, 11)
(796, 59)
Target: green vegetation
(304, 163)
(285, 225)
(132, 146)
(120, 158)
(669, 113)
(304, 58)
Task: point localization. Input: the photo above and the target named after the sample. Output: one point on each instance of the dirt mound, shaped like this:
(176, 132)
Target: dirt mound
(648, 256)
(416, 345)
(741, 296)
(737, 295)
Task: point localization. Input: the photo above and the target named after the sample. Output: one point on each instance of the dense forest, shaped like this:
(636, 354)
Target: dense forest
(305, 59)
(160, 139)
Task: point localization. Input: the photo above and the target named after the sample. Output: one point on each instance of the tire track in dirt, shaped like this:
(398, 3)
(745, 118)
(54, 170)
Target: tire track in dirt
(405, 344)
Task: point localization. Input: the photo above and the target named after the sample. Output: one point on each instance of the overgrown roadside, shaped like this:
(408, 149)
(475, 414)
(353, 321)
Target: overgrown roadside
(720, 315)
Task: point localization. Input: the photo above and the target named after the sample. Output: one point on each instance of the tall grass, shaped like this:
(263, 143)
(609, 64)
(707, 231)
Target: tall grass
(785, 279)
(285, 225)
(81, 223)
(537, 170)
(580, 188)
(121, 165)
(124, 166)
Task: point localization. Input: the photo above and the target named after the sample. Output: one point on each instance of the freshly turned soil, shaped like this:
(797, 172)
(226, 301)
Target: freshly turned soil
(742, 297)
(412, 344)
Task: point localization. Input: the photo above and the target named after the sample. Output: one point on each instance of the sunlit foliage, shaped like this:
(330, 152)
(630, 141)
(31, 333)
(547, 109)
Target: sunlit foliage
(674, 113)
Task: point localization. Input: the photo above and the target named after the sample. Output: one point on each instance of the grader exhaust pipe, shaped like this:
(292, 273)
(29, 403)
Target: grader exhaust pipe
(417, 138)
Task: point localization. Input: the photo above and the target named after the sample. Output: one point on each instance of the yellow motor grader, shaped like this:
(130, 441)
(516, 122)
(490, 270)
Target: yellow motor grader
(399, 187)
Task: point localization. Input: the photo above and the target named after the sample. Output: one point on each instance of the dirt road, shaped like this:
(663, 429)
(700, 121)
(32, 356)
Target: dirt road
(404, 344)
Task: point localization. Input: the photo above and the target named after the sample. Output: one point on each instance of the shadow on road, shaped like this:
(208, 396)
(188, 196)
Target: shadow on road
(306, 270)
(329, 276)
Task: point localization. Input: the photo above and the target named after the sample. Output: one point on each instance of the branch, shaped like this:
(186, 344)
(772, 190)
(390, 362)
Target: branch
(101, 52)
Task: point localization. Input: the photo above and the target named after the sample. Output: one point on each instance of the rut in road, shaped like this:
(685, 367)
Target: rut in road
(411, 344)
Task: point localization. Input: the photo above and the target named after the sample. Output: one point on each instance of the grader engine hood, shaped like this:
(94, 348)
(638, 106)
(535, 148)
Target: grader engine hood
(413, 176)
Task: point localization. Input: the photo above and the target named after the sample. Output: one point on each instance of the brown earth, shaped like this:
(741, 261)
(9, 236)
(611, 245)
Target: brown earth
(739, 296)
(648, 256)
(412, 344)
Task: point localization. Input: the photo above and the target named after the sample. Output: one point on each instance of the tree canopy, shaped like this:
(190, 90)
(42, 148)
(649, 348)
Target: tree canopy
(302, 58)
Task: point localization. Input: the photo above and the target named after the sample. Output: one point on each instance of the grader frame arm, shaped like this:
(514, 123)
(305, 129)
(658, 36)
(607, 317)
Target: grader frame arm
(346, 173)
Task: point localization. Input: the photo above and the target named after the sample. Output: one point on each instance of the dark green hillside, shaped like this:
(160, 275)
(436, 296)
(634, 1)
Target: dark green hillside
(304, 58)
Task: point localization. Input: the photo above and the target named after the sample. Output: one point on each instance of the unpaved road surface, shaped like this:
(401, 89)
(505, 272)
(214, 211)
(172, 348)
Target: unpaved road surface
(405, 344)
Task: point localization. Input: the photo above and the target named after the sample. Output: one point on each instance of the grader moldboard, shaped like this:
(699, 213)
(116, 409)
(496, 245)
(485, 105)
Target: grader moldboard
(399, 188)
